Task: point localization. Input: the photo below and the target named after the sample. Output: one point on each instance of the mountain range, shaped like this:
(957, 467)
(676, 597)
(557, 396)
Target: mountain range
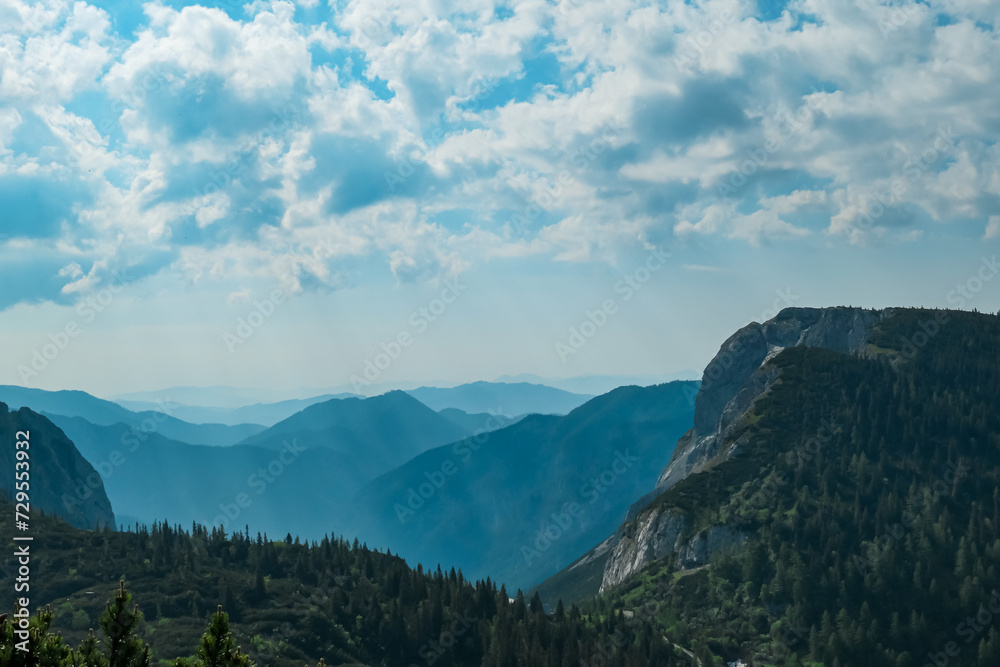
(297, 476)
(835, 502)
(826, 495)
(492, 504)
(509, 399)
(99, 411)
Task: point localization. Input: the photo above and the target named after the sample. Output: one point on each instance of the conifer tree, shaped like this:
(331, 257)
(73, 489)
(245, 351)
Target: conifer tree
(218, 646)
(119, 623)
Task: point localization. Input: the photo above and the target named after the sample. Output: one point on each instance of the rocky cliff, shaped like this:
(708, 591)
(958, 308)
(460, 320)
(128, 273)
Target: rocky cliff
(659, 533)
(736, 377)
(733, 381)
(62, 482)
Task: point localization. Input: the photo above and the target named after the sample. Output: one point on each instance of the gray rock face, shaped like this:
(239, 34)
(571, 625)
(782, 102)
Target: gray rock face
(62, 482)
(734, 380)
(651, 537)
(658, 533)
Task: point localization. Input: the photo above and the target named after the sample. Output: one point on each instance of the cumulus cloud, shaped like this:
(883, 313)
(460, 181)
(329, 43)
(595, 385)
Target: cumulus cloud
(421, 138)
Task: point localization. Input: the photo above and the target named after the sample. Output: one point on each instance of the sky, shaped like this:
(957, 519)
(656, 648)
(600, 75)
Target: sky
(309, 194)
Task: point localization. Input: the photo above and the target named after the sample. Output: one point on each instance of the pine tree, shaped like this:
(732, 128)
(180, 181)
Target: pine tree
(89, 654)
(119, 624)
(218, 646)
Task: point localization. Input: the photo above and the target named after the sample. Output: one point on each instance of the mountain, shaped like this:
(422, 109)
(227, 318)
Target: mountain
(836, 503)
(99, 411)
(487, 503)
(297, 476)
(595, 385)
(736, 377)
(151, 478)
(266, 414)
(214, 396)
(482, 422)
(59, 479)
(378, 433)
(507, 399)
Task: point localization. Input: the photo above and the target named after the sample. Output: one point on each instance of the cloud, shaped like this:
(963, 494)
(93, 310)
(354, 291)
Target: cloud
(315, 146)
(992, 227)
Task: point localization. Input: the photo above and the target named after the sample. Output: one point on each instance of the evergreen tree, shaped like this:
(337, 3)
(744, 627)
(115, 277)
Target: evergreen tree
(119, 623)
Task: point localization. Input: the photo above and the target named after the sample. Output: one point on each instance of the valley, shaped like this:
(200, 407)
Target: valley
(827, 462)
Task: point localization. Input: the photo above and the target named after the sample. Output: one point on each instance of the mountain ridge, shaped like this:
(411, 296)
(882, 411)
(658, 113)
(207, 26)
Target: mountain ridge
(61, 480)
(511, 481)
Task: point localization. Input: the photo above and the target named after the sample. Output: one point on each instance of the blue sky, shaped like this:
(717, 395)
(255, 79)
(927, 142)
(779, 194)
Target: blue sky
(166, 168)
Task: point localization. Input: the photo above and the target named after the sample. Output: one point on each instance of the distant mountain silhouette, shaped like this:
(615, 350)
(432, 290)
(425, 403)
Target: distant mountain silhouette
(510, 399)
(599, 384)
(380, 433)
(482, 422)
(266, 414)
(99, 411)
(481, 504)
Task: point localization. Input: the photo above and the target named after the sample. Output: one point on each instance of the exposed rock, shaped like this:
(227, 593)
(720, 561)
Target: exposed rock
(733, 382)
(62, 482)
(658, 533)
(652, 536)
(737, 377)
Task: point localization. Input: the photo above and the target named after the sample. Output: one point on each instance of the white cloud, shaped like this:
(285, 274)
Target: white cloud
(232, 149)
(992, 227)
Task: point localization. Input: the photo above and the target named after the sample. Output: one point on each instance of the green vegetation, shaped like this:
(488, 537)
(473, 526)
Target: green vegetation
(291, 603)
(870, 488)
(120, 647)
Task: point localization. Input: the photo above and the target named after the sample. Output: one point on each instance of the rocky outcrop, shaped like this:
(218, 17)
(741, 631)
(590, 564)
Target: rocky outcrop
(708, 544)
(62, 482)
(659, 533)
(733, 382)
(638, 543)
(737, 377)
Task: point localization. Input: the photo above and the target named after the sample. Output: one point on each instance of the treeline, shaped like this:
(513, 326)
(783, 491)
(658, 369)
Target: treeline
(870, 491)
(292, 603)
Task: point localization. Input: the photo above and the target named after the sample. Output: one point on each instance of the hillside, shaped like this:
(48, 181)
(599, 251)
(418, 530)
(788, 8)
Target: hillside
(486, 503)
(60, 481)
(292, 604)
(851, 516)
(510, 399)
(379, 433)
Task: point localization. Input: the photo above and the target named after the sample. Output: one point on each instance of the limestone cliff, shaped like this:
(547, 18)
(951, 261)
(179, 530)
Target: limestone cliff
(658, 533)
(734, 380)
